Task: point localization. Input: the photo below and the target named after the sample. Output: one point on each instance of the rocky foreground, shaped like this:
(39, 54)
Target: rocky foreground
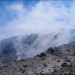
(57, 61)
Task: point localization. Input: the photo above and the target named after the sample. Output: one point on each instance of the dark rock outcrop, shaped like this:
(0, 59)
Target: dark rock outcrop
(42, 55)
(50, 50)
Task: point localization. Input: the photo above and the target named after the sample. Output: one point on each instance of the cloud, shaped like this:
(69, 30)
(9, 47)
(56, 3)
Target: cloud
(43, 17)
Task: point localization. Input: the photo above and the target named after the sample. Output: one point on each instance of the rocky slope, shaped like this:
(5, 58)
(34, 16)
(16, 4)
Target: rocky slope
(27, 46)
(57, 61)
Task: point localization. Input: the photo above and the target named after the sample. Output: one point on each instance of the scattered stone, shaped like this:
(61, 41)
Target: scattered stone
(41, 73)
(43, 67)
(44, 64)
(74, 54)
(66, 73)
(60, 52)
(41, 70)
(48, 62)
(58, 60)
(64, 64)
(5, 66)
(53, 58)
(55, 70)
(20, 69)
(68, 50)
(22, 60)
(23, 71)
(24, 66)
(67, 60)
(49, 69)
(52, 67)
(37, 74)
(69, 65)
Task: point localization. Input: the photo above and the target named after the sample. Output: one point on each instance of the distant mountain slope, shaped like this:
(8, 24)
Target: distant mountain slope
(21, 47)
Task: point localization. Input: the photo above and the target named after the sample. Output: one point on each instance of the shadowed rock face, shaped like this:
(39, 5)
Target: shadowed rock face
(50, 50)
(30, 39)
(8, 52)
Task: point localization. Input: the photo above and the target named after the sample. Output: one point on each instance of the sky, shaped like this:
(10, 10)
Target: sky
(41, 17)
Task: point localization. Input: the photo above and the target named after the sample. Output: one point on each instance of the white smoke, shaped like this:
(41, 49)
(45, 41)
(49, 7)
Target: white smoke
(42, 43)
(42, 18)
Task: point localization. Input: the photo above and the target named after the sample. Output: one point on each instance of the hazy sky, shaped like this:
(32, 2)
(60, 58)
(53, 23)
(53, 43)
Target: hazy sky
(25, 17)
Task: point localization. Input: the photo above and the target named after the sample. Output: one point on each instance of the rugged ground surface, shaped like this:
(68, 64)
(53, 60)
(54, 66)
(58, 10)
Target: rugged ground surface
(23, 46)
(49, 63)
(65, 70)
